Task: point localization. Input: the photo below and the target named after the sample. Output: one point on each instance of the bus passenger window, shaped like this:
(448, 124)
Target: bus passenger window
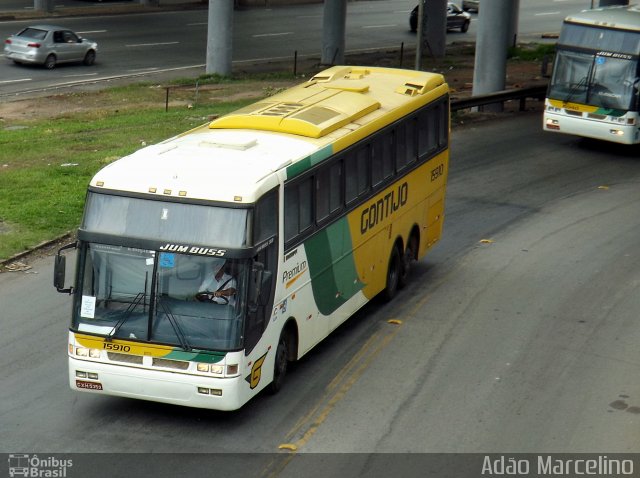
(356, 173)
(382, 163)
(427, 140)
(329, 190)
(406, 144)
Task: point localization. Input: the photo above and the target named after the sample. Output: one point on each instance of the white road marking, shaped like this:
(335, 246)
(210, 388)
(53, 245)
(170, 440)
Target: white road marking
(80, 75)
(547, 13)
(380, 26)
(272, 34)
(16, 81)
(92, 31)
(153, 44)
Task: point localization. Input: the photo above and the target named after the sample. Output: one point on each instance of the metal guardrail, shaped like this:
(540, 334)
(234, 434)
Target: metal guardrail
(522, 94)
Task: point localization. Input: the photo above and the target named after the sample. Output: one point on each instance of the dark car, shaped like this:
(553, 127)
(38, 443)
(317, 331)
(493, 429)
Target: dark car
(456, 18)
(471, 5)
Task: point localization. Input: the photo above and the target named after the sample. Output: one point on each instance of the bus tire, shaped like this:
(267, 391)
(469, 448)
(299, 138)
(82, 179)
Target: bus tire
(280, 363)
(394, 271)
(410, 254)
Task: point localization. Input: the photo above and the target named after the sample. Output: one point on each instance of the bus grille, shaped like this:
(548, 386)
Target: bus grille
(166, 363)
(126, 358)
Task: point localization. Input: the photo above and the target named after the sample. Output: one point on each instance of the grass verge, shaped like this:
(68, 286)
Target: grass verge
(45, 165)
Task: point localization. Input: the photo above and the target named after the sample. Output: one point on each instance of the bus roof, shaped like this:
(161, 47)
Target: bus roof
(625, 17)
(234, 158)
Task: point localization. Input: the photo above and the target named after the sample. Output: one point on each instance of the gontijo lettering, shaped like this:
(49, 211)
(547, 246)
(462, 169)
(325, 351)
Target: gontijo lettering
(384, 207)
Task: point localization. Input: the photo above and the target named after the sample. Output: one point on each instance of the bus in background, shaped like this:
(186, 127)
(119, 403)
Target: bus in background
(302, 206)
(594, 89)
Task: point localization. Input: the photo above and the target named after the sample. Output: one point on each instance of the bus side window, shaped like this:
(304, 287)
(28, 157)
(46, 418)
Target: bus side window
(356, 172)
(406, 144)
(443, 124)
(382, 158)
(298, 208)
(427, 139)
(329, 190)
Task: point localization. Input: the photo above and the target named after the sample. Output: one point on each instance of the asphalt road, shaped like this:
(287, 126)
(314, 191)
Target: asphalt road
(518, 333)
(174, 43)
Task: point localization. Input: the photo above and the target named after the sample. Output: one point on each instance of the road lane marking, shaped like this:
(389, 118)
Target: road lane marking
(92, 31)
(380, 26)
(546, 13)
(260, 35)
(16, 81)
(152, 44)
(80, 75)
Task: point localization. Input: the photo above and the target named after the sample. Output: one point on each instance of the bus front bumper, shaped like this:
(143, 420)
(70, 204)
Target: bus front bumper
(604, 130)
(158, 386)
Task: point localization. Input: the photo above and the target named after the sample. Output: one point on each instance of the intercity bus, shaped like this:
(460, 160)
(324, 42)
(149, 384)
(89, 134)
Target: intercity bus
(594, 89)
(314, 200)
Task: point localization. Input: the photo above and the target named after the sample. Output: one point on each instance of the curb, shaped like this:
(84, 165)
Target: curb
(37, 248)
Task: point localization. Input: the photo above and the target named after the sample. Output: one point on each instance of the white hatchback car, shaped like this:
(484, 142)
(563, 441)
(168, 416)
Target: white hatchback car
(49, 45)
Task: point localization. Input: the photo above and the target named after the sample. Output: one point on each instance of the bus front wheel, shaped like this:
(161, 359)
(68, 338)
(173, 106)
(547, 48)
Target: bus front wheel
(280, 365)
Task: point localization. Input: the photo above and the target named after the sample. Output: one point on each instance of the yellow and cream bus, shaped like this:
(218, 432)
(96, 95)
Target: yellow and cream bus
(594, 89)
(311, 202)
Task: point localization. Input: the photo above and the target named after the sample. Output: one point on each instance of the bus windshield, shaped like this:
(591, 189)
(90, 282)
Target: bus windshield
(159, 297)
(595, 80)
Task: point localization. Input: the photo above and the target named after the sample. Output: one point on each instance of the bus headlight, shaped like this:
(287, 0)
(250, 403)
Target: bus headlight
(217, 369)
(84, 352)
(616, 132)
(207, 368)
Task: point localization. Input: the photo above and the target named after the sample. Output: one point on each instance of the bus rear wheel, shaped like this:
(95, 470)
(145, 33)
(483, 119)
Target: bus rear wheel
(281, 363)
(394, 271)
(408, 257)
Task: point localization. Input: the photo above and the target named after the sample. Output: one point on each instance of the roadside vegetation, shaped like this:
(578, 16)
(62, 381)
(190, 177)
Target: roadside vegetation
(46, 164)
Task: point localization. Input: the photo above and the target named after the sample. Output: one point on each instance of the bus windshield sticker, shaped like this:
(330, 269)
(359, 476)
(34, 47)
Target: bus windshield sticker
(88, 307)
(167, 260)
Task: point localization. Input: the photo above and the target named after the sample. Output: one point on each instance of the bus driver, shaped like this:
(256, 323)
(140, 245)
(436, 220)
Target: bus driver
(219, 287)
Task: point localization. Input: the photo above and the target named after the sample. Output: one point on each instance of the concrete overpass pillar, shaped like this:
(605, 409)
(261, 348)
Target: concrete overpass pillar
(43, 5)
(492, 42)
(334, 26)
(219, 37)
(436, 26)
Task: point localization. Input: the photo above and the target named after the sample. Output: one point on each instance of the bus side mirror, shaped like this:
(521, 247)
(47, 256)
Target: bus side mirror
(59, 270)
(255, 283)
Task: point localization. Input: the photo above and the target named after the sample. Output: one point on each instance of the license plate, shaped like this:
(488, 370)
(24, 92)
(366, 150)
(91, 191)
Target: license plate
(88, 385)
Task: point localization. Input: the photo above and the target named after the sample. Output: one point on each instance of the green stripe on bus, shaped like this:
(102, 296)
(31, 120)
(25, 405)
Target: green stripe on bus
(305, 164)
(195, 356)
(334, 277)
(610, 112)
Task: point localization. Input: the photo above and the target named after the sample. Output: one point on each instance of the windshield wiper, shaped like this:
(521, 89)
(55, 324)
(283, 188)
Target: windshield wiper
(184, 343)
(127, 313)
(575, 89)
